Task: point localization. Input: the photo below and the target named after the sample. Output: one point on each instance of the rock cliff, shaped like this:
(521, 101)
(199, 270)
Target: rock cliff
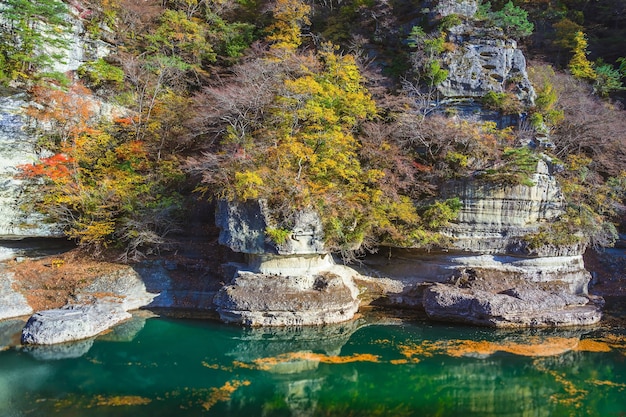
(494, 217)
(292, 282)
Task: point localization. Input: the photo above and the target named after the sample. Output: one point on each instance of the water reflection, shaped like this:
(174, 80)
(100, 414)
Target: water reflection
(368, 367)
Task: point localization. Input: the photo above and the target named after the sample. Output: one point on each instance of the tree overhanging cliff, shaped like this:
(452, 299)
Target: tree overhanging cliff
(342, 107)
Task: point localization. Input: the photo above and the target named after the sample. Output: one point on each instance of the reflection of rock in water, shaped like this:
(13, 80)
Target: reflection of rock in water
(10, 331)
(60, 350)
(480, 389)
(16, 380)
(300, 395)
(296, 381)
(269, 342)
(128, 330)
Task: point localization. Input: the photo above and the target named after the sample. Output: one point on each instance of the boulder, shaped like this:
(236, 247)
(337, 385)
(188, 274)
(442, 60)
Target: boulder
(74, 322)
(516, 307)
(96, 308)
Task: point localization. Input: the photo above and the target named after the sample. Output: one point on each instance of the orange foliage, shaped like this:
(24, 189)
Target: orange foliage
(56, 168)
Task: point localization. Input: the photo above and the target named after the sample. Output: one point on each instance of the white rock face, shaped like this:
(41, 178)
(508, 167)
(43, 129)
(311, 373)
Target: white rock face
(16, 148)
(484, 60)
(12, 303)
(73, 322)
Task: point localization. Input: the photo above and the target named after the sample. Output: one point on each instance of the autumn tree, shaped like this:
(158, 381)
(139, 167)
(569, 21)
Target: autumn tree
(289, 17)
(579, 65)
(101, 185)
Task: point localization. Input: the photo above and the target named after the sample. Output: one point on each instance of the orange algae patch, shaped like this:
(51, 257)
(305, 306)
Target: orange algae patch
(223, 393)
(590, 345)
(413, 350)
(268, 363)
(535, 347)
(117, 401)
(215, 366)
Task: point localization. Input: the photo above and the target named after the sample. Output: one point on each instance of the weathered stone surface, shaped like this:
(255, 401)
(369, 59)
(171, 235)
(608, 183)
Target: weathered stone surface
(12, 303)
(171, 293)
(256, 299)
(243, 224)
(73, 322)
(484, 60)
(99, 306)
(494, 217)
(125, 284)
(442, 8)
(515, 307)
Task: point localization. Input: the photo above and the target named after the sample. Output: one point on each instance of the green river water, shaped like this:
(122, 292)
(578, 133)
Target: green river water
(374, 366)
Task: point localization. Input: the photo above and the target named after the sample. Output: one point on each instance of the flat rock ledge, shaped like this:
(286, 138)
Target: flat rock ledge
(256, 299)
(101, 305)
(515, 307)
(73, 322)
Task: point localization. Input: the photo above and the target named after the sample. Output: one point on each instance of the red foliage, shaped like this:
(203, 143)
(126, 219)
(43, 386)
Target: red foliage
(56, 167)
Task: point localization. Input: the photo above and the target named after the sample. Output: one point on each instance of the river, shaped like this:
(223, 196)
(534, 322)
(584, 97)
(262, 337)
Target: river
(374, 366)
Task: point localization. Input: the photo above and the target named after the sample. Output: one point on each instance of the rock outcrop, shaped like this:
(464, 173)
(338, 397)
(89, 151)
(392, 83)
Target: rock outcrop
(494, 217)
(293, 282)
(515, 307)
(101, 305)
(12, 303)
(483, 61)
(283, 300)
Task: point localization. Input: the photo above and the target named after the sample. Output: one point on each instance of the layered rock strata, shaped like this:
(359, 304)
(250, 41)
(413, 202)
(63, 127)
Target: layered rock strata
(293, 282)
(494, 217)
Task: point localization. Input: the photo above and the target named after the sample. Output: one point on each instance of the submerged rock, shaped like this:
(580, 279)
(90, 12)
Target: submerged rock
(516, 307)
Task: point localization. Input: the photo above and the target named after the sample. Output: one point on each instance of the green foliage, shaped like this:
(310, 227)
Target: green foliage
(450, 21)
(548, 114)
(28, 29)
(512, 19)
(181, 37)
(100, 72)
(506, 103)
(434, 74)
(277, 235)
(590, 206)
(566, 31)
(517, 167)
(441, 213)
(608, 80)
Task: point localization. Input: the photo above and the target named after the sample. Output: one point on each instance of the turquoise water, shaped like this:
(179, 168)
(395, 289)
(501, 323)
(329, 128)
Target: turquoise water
(371, 367)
